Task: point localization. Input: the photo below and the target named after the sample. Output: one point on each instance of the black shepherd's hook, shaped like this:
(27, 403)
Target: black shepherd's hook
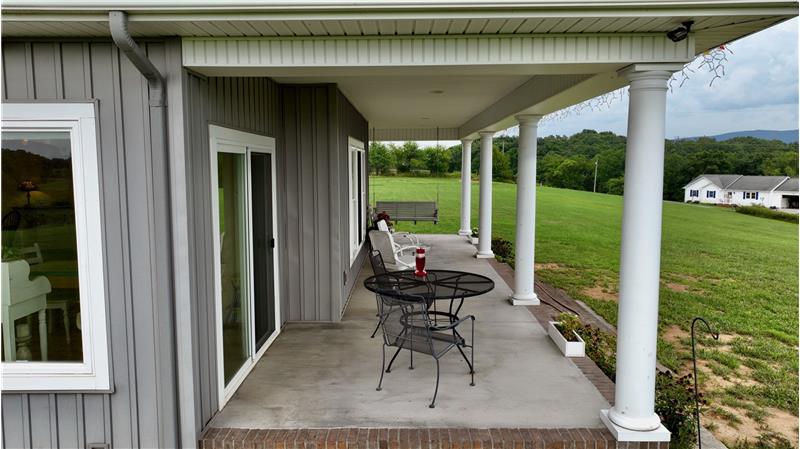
(715, 335)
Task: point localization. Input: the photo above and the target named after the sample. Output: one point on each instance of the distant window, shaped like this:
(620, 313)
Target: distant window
(750, 195)
(694, 194)
(358, 197)
(711, 193)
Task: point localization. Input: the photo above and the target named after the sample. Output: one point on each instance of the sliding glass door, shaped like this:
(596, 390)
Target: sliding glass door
(245, 257)
(263, 247)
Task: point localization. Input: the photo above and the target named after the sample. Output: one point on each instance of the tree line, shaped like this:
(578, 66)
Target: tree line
(569, 161)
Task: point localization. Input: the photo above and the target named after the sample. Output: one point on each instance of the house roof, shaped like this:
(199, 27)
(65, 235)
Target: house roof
(721, 181)
(757, 183)
(790, 185)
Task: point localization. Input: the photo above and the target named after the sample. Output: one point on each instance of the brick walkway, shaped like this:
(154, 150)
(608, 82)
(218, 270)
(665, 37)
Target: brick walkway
(383, 438)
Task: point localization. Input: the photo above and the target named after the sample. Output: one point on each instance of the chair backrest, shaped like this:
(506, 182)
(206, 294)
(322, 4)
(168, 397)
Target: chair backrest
(405, 322)
(375, 259)
(383, 242)
(32, 254)
(17, 286)
(382, 226)
(409, 210)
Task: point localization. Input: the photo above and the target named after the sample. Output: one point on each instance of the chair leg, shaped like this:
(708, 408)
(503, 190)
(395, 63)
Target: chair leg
(66, 325)
(383, 365)
(411, 366)
(389, 368)
(472, 355)
(377, 326)
(436, 390)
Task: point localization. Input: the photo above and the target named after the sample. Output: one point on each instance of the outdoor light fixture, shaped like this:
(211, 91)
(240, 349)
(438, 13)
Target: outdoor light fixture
(680, 33)
(27, 186)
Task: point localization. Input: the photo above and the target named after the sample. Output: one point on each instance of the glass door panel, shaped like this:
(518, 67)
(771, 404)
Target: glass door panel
(233, 261)
(263, 247)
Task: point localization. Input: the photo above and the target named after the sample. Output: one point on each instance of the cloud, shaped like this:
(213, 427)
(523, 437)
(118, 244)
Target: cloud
(758, 91)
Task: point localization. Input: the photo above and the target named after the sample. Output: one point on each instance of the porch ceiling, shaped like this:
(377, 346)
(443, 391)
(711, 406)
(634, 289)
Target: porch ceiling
(324, 375)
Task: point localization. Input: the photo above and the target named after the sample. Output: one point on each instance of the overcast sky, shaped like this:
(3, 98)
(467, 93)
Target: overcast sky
(759, 91)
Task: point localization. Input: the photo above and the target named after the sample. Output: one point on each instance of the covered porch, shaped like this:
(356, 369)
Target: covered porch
(323, 375)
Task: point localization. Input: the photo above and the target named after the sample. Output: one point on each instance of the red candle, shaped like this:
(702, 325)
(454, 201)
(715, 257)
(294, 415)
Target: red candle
(420, 263)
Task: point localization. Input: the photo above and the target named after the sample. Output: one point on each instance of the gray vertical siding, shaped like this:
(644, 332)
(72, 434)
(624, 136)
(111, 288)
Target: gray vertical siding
(247, 104)
(142, 410)
(351, 124)
(310, 124)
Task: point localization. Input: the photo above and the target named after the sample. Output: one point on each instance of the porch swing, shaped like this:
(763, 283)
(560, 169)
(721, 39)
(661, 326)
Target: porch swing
(411, 210)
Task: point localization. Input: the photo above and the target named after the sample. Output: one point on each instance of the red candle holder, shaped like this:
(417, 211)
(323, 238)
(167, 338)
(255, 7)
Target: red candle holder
(420, 263)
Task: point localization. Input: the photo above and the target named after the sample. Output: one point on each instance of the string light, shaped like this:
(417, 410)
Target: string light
(713, 61)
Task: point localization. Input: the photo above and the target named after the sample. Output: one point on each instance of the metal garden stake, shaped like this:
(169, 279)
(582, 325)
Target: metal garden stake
(715, 335)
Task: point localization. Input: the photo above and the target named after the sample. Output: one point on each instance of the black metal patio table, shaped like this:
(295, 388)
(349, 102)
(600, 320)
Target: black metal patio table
(450, 285)
(436, 285)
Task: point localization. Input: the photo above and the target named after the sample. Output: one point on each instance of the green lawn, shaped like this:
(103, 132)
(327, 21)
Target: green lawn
(738, 271)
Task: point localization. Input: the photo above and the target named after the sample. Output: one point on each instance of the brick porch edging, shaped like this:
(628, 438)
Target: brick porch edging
(415, 438)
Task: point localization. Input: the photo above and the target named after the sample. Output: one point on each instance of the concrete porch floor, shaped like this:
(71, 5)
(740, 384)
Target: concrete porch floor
(324, 375)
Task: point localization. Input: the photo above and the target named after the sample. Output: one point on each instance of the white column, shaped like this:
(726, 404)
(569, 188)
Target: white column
(485, 221)
(640, 255)
(466, 187)
(524, 293)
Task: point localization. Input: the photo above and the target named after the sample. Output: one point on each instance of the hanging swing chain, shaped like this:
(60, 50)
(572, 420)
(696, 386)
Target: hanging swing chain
(715, 336)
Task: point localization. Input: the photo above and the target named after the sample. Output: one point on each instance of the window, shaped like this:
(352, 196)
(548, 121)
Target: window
(750, 195)
(711, 193)
(53, 297)
(694, 194)
(357, 196)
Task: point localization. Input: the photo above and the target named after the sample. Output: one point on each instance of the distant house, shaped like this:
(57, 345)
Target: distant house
(775, 192)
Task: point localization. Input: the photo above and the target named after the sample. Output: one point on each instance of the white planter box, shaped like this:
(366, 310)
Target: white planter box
(474, 240)
(568, 348)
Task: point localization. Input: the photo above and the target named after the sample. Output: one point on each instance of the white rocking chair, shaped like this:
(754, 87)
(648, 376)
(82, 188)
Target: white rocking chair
(413, 240)
(396, 257)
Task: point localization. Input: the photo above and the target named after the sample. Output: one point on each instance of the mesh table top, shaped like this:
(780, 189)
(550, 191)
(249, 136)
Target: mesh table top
(438, 284)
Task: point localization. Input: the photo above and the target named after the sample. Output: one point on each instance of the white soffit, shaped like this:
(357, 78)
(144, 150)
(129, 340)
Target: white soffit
(398, 51)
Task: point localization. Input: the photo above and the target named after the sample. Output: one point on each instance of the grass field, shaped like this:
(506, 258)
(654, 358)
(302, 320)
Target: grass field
(738, 271)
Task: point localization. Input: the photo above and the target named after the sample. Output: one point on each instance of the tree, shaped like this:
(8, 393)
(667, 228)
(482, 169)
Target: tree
(437, 160)
(455, 158)
(781, 164)
(405, 155)
(380, 158)
(615, 186)
(501, 166)
(574, 174)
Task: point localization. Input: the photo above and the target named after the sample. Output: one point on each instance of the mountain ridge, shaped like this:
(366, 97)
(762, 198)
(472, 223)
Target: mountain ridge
(786, 136)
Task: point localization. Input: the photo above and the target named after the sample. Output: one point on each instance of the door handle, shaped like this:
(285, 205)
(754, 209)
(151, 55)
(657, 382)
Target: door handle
(272, 243)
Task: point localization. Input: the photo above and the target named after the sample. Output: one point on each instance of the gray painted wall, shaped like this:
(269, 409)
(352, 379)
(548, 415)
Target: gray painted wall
(311, 165)
(142, 410)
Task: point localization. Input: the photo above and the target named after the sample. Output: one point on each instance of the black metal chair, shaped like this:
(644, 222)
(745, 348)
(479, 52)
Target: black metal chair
(379, 268)
(407, 324)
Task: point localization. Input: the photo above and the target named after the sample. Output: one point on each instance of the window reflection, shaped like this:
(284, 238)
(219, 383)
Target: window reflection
(40, 302)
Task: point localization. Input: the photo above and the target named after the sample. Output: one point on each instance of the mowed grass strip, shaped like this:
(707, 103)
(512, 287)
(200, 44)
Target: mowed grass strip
(738, 271)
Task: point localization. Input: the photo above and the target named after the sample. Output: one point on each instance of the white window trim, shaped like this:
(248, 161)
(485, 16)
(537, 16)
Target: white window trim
(356, 146)
(79, 119)
(240, 142)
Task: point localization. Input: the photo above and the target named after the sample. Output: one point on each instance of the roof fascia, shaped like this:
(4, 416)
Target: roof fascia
(398, 9)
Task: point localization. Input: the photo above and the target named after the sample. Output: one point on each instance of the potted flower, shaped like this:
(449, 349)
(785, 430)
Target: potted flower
(474, 237)
(563, 333)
